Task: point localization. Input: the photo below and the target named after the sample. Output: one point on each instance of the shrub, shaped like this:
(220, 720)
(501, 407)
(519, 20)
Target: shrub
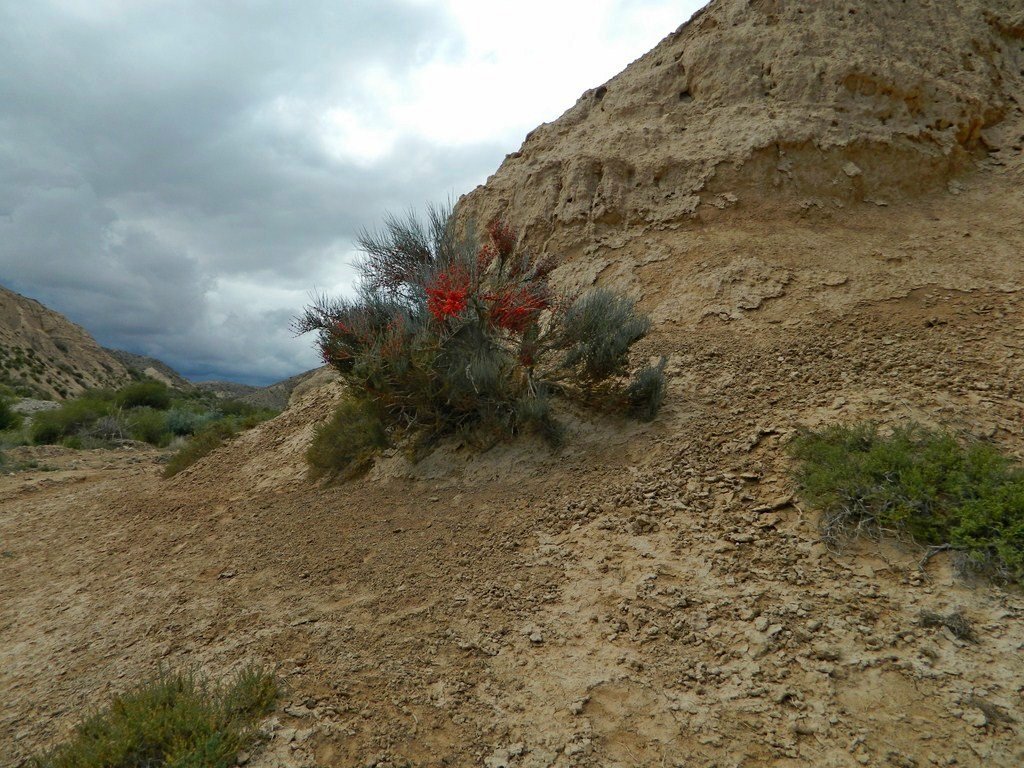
(345, 445)
(9, 419)
(181, 421)
(175, 720)
(921, 484)
(72, 416)
(149, 394)
(149, 426)
(202, 444)
(449, 336)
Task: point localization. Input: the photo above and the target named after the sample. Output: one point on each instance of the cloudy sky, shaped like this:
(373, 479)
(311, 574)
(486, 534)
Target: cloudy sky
(178, 175)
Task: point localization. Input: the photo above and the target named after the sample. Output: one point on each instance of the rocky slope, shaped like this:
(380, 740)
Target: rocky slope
(43, 354)
(655, 594)
(274, 396)
(142, 365)
(805, 104)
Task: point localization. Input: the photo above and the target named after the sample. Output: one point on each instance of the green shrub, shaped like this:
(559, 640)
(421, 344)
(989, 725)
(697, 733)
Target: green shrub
(181, 421)
(449, 336)
(9, 419)
(921, 484)
(148, 394)
(345, 445)
(236, 408)
(175, 720)
(149, 426)
(202, 444)
(72, 416)
(646, 392)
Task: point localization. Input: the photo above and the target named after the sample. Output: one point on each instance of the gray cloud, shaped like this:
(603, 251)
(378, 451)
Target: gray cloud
(160, 183)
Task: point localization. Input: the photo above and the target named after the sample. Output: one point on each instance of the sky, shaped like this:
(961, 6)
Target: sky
(180, 176)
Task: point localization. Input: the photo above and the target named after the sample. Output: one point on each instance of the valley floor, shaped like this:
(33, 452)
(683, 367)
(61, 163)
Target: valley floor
(653, 596)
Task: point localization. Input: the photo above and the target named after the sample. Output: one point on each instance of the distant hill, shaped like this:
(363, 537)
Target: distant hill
(151, 367)
(45, 355)
(274, 396)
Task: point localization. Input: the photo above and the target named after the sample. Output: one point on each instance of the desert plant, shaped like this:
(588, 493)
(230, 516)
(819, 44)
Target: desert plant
(446, 335)
(205, 442)
(151, 394)
(182, 421)
(345, 444)
(72, 416)
(920, 484)
(9, 418)
(174, 720)
(149, 426)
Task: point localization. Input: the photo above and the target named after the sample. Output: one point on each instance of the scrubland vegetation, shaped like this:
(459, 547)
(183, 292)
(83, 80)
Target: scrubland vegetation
(146, 411)
(925, 486)
(451, 335)
(176, 720)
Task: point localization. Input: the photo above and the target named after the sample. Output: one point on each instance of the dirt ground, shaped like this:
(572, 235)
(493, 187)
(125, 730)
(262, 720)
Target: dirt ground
(652, 596)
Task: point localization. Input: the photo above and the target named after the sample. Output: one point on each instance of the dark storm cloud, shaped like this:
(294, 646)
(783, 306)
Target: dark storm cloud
(156, 159)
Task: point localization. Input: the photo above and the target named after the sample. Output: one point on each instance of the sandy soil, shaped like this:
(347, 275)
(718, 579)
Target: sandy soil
(654, 596)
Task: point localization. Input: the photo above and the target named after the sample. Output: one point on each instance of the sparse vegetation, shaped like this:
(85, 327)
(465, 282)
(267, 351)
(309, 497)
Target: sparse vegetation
(175, 720)
(956, 622)
(152, 414)
(203, 443)
(448, 336)
(151, 394)
(346, 444)
(9, 419)
(923, 485)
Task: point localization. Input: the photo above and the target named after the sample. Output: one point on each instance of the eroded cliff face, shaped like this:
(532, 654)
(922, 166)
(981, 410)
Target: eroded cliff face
(759, 103)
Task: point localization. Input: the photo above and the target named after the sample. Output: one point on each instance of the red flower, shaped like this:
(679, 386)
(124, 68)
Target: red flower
(448, 295)
(516, 309)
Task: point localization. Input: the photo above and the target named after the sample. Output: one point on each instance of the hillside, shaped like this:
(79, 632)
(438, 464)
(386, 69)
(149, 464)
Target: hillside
(819, 204)
(142, 365)
(43, 354)
(274, 396)
(805, 107)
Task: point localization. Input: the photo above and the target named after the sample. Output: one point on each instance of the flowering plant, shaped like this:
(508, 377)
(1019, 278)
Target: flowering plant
(451, 334)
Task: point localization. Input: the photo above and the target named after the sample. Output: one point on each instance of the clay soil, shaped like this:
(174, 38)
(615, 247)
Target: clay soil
(653, 595)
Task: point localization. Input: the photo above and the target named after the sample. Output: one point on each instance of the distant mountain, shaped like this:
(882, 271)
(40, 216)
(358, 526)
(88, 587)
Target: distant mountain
(142, 365)
(45, 355)
(275, 396)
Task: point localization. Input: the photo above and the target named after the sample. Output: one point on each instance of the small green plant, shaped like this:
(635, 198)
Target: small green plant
(175, 720)
(9, 418)
(448, 335)
(149, 394)
(345, 445)
(920, 484)
(149, 426)
(205, 442)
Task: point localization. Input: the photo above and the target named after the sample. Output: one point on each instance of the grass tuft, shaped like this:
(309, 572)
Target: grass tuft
(955, 622)
(203, 443)
(175, 720)
(921, 485)
(344, 446)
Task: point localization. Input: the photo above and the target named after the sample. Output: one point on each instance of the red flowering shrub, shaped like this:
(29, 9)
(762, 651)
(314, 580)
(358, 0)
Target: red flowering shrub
(447, 294)
(447, 334)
